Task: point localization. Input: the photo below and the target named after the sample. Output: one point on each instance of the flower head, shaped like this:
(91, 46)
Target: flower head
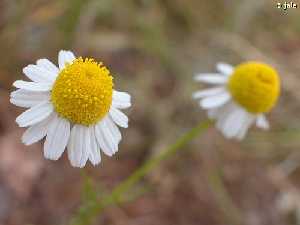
(82, 92)
(73, 106)
(241, 97)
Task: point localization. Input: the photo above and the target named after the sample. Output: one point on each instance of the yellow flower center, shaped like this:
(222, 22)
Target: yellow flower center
(82, 92)
(255, 86)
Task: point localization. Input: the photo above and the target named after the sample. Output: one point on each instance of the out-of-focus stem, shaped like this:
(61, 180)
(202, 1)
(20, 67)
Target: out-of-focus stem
(231, 213)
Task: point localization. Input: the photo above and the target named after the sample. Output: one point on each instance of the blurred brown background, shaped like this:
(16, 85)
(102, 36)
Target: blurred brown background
(153, 48)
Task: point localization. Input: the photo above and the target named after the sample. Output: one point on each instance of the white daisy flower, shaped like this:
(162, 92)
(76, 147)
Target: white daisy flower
(74, 106)
(241, 96)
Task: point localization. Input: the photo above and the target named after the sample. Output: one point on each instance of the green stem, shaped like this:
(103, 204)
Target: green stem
(231, 213)
(92, 209)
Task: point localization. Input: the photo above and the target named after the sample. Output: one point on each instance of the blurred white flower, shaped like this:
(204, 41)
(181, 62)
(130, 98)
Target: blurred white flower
(74, 106)
(241, 96)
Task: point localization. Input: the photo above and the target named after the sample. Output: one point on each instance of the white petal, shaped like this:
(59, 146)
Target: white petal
(114, 130)
(219, 112)
(48, 65)
(27, 99)
(118, 117)
(208, 92)
(215, 101)
(211, 78)
(35, 114)
(229, 115)
(107, 140)
(233, 123)
(78, 146)
(39, 74)
(95, 155)
(247, 123)
(262, 122)
(105, 147)
(65, 57)
(57, 138)
(121, 105)
(121, 96)
(223, 113)
(121, 100)
(36, 132)
(225, 68)
(32, 86)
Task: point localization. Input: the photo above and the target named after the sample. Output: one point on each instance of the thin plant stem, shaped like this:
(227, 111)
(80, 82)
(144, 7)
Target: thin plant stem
(231, 213)
(91, 209)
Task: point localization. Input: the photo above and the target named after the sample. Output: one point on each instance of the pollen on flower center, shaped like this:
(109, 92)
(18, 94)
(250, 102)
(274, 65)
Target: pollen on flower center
(82, 92)
(255, 86)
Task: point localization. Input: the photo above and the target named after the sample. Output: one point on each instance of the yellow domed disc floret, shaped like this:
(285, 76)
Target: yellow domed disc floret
(255, 86)
(82, 92)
